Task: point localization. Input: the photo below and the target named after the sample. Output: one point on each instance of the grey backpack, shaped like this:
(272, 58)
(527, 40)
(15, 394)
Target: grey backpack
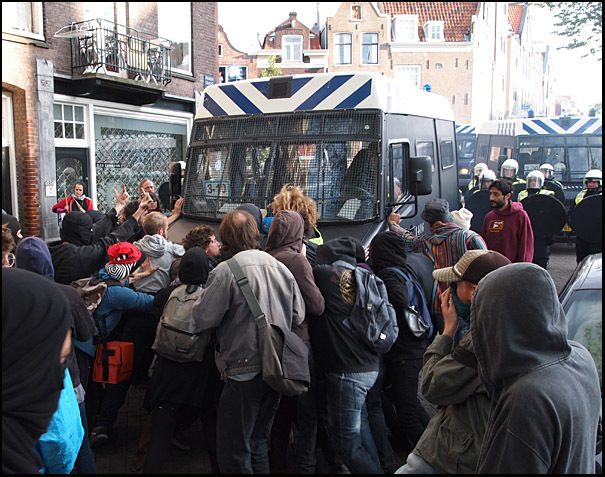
(178, 337)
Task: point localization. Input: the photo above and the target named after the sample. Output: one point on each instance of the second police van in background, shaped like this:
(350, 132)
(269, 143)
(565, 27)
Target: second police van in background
(359, 144)
(572, 145)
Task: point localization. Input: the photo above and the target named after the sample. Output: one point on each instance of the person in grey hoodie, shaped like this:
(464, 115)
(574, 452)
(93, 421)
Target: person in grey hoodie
(544, 388)
(161, 250)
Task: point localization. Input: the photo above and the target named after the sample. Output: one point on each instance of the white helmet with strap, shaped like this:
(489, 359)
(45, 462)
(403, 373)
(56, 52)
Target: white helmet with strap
(537, 177)
(509, 164)
(594, 175)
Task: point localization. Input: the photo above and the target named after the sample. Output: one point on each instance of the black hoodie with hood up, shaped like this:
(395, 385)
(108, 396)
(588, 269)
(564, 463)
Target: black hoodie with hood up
(336, 348)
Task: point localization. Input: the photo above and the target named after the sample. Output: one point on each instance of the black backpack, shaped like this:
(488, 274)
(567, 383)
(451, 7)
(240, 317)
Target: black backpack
(373, 317)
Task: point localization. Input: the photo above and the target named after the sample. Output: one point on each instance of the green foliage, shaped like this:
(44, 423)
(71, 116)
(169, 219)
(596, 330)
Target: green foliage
(272, 70)
(580, 22)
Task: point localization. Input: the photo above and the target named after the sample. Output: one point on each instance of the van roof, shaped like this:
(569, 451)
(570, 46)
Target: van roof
(323, 91)
(544, 125)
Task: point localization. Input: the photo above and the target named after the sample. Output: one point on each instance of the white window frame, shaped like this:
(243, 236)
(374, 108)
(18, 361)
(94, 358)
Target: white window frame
(184, 23)
(433, 31)
(36, 26)
(337, 49)
(289, 43)
(407, 73)
(360, 13)
(371, 45)
(72, 142)
(406, 28)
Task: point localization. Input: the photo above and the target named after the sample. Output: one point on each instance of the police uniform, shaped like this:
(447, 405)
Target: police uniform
(525, 193)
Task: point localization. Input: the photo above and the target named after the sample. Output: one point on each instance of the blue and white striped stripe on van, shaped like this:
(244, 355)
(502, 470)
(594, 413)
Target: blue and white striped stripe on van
(323, 91)
(465, 129)
(532, 126)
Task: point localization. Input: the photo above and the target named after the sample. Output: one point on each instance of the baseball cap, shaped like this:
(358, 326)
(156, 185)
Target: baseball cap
(437, 210)
(472, 266)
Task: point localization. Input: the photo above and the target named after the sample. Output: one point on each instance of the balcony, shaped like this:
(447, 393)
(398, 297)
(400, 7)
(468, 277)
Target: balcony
(104, 49)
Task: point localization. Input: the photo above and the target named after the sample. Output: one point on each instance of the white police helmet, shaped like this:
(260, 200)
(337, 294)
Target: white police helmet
(535, 180)
(487, 175)
(594, 175)
(509, 164)
(479, 168)
(547, 169)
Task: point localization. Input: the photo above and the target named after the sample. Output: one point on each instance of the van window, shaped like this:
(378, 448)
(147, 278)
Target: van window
(396, 186)
(426, 148)
(447, 153)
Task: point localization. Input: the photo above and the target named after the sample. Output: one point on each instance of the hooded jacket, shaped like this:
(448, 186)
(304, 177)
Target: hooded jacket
(284, 243)
(32, 254)
(80, 257)
(544, 388)
(162, 252)
(509, 232)
(35, 320)
(224, 307)
(389, 250)
(338, 349)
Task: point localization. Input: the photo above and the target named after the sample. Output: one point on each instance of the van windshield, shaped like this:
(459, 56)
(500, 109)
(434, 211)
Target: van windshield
(331, 156)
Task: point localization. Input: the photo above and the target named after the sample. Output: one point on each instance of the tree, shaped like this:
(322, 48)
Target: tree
(580, 22)
(272, 70)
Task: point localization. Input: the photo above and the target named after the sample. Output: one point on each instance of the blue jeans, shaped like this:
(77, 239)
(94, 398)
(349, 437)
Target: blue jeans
(245, 415)
(348, 420)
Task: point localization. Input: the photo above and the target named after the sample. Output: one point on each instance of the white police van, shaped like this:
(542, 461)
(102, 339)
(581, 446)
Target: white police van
(345, 139)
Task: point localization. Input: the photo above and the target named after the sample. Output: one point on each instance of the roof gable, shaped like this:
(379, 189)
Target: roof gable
(455, 15)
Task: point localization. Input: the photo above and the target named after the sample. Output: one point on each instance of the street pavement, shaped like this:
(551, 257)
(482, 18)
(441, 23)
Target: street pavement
(118, 456)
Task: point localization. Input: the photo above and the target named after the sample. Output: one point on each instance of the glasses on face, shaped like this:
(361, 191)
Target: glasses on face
(10, 259)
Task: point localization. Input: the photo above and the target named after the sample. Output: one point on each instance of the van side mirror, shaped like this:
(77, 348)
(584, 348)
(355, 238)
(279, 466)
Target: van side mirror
(420, 175)
(174, 182)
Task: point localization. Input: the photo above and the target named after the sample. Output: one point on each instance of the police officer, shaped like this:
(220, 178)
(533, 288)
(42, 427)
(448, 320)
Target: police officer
(477, 170)
(509, 170)
(486, 178)
(534, 185)
(549, 174)
(593, 182)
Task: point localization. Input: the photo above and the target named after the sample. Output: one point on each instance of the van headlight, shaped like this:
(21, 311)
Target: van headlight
(464, 171)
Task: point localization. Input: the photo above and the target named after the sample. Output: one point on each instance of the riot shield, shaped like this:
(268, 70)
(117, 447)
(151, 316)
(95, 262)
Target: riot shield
(478, 204)
(516, 189)
(587, 219)
(547, 214)
(559, 194)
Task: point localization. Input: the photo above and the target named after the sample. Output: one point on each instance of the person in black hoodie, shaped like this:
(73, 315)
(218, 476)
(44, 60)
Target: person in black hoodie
(346, 363)
(403, 361)
(77, 256)
(35, 342)
(33, 255)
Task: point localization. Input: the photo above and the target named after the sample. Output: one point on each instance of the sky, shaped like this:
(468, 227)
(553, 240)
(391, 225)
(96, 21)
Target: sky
(579, 78)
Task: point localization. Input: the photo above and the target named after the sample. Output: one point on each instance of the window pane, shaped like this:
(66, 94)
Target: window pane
(79, 131)
(57, 111)
(343, 48)
(369, 48)
(174, 23)
(68, 113)
(58, 129)
(79, 112)
(447, 153)
(69, 131)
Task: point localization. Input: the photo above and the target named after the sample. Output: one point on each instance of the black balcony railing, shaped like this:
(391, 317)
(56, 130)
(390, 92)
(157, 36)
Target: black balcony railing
(101, 46)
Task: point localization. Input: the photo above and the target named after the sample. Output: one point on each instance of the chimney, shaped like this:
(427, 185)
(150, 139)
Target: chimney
(292, 19)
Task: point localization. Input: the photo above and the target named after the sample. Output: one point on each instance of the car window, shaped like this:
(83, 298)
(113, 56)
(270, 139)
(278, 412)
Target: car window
(585, 323)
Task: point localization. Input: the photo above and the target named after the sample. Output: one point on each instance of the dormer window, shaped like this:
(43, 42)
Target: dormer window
(406, 28)
(292, 48)
(433, 31)
(356, 13)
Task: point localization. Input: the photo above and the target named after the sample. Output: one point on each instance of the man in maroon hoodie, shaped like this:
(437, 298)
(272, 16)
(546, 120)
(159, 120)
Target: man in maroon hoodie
(507, 228)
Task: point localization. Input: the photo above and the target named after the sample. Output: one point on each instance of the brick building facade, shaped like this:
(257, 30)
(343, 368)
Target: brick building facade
(118, 119)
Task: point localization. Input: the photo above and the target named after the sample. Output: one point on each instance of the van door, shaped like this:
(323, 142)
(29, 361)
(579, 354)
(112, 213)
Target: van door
(448, 172)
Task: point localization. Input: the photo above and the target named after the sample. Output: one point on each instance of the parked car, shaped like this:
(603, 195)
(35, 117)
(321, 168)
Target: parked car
(582, 301)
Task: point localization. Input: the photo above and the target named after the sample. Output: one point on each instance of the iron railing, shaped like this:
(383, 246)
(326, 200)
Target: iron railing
(101, 46)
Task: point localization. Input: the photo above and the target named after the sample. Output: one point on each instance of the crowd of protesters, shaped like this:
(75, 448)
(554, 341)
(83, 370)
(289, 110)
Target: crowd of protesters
(494, 365)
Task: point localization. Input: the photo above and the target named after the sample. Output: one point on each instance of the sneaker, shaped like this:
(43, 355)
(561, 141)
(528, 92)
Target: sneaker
(98, 436)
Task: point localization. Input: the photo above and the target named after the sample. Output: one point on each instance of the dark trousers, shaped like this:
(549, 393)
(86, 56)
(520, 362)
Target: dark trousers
(412, 418)
(378, 425)
(85, 461)
(245, 416)
(301, 411)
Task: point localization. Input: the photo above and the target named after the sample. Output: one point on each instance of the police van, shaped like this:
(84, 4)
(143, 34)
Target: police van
(358, 144)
